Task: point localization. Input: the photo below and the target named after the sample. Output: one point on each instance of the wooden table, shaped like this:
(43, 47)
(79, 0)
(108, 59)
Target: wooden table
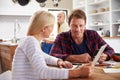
(100, 75)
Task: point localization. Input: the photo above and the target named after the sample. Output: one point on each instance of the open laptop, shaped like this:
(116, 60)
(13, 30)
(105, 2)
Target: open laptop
(99, 54)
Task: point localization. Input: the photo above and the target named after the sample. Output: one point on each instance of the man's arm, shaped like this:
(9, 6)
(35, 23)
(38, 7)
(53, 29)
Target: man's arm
(108, 50)
(57, 48)
(79, 58)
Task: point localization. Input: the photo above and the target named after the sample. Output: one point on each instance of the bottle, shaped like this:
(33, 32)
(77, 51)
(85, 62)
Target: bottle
(119, 30)
(101, 31)
(108, 33)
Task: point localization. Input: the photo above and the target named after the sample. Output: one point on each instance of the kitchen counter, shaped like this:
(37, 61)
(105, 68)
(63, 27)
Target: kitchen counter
(8, 43)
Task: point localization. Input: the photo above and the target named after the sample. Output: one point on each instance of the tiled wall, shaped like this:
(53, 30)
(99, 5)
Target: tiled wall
(7, 24)
(114, 43)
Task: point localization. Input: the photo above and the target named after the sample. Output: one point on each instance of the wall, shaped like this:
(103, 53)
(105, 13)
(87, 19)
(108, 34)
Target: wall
(9, 6)
(114, 43)
(10, 12)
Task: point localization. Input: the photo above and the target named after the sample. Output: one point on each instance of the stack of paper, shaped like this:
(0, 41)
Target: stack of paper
(112, 70)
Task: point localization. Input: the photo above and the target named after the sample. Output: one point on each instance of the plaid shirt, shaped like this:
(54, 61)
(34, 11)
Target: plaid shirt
(63, 47)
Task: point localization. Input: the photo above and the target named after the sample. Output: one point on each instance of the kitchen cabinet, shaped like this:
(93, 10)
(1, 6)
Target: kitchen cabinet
(115, 11)
(6, 55)
(101, 14)
(79, 4)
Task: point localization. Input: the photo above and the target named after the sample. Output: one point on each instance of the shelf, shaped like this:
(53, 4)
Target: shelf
(97, 2)
(12, 13)
(80, 7)
(99, 13)
(113, 37)
(80, 4)
(117, 10)
(100, 25)
(116, 23)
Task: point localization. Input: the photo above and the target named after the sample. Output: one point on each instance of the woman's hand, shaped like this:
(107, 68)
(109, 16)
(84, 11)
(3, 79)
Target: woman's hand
(86, 70)
(82, 71)
(64, 64)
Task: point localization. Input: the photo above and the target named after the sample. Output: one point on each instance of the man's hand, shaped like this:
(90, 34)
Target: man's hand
(79, 58)
(103, 57)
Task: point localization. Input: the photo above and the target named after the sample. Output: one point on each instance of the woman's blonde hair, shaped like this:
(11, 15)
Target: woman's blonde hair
(39, 20)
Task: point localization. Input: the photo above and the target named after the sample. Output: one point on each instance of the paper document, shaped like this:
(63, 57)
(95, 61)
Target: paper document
(111, 70)
(76, 66)
(99, 54)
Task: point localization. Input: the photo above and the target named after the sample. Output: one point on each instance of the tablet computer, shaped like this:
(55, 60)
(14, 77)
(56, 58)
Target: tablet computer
(99, 54)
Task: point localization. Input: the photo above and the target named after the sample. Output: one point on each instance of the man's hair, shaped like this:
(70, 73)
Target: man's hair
(78, 14)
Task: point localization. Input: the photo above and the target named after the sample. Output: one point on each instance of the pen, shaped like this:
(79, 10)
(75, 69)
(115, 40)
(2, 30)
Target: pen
(78, 65)
(116, 67)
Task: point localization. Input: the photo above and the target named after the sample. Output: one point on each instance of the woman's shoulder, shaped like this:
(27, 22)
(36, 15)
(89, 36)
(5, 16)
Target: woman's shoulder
(26, 40)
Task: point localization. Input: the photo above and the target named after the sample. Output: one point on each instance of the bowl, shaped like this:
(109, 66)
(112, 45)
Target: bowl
(116, 57)
(94, 11)
(101, 10)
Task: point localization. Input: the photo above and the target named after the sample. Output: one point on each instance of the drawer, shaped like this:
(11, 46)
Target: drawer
(5, 48)
(6, 55)
(6, 64)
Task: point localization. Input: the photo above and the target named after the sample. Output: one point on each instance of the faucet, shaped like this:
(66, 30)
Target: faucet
(16, 25)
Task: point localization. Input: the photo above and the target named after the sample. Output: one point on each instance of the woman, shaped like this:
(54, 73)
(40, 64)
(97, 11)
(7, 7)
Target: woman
(30, 62)
(62, 25)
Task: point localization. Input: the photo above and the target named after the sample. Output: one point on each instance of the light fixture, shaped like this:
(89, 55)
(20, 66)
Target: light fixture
(56, 3)
(14, 1)
(21, 2)
(41, 2)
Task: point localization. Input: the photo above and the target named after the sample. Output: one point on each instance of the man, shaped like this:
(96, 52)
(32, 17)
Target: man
(79, 44)
(62, 25)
